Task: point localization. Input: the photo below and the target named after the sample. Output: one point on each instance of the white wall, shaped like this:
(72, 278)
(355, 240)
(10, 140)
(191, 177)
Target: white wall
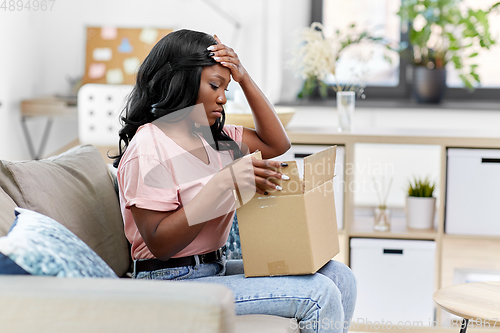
(19, 69)
(41, 49)
(297, 15)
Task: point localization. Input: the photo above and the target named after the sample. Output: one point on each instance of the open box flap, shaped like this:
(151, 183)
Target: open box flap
(319, 168)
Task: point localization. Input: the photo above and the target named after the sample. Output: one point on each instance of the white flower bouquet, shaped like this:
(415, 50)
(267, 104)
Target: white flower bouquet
(315, 58)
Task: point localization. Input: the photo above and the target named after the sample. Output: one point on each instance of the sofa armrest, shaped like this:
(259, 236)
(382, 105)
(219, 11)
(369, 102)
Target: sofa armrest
(48, 304)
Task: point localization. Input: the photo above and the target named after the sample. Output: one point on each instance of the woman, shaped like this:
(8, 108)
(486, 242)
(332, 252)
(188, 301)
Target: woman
(175, 186)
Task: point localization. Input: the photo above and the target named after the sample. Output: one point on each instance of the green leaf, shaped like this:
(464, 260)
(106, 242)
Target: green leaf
(451, 37)
(457, 61)
(494, 6)
(466, 81)
(470, 33)
(473, 55)
(475, 76)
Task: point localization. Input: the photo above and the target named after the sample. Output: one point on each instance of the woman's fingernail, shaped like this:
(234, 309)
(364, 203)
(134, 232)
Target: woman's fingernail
(265, 193)
(211, 54)
(285, 177)
(279, 188)
(216, 58)
(284, 164)
(211, 48)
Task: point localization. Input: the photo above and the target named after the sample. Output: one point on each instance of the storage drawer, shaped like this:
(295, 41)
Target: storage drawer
(298, 152)
(395, 280)
(472, 192)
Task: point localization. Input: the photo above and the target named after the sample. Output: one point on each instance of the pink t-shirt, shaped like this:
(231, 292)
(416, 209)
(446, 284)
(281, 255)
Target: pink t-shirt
(157, 174)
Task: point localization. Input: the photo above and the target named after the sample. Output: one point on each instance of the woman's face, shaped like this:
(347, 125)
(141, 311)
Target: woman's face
(213, 84)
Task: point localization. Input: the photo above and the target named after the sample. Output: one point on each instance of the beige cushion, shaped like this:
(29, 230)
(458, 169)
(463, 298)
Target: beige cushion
(47, 304)
(75, 189)
(7, 216)
(265, 324)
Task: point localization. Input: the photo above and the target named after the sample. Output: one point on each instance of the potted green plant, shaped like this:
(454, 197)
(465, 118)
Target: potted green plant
(439, 32)
(420, 204)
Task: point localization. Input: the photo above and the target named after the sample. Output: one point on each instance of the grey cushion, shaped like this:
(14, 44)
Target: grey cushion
(75, 189)
(7, 216)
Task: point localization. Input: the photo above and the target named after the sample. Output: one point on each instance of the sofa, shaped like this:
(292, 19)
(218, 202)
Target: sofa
(77, 190)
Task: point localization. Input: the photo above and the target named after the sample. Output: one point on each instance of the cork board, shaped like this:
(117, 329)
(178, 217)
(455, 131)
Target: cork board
(113, 55)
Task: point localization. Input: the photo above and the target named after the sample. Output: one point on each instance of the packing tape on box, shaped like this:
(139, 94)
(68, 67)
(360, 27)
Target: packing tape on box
(277, 268)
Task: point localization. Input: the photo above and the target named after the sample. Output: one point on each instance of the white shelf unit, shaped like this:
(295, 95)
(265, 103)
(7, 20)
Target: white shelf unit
(445, 263)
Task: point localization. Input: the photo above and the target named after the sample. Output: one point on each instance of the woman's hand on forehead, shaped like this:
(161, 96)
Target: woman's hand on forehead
(229, 59)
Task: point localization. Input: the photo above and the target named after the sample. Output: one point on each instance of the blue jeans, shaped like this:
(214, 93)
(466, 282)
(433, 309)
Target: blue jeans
(321, 302)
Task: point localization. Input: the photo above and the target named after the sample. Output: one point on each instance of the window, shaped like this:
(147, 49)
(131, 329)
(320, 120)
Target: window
(386, 80)
(366, 60)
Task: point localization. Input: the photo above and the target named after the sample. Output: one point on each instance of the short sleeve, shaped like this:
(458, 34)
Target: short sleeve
(147, 183)
(235, 133)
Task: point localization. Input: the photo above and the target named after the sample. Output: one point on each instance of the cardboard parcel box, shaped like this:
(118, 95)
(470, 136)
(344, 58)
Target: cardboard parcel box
(293, 231)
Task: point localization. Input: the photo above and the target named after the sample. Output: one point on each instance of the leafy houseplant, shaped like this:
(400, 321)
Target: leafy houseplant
(420, 204)
(439, 32)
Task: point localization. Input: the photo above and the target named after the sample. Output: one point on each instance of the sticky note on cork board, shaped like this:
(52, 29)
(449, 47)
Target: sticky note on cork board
(102, 54)
(96, 71)
(109, 33)
(102, 40)
(114, 76)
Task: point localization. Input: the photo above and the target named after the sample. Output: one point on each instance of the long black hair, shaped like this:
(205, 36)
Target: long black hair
(168, 81)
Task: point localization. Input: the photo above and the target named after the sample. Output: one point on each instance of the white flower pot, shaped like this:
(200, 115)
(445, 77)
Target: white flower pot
(420, 212)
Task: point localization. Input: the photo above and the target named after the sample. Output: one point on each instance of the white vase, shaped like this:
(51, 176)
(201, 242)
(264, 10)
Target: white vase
(420, 212)
(345, 109)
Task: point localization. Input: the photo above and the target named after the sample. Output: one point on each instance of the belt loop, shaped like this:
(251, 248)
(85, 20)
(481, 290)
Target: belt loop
(197, 261)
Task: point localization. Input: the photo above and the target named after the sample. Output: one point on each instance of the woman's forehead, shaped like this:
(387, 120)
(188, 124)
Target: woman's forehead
(218, 71)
